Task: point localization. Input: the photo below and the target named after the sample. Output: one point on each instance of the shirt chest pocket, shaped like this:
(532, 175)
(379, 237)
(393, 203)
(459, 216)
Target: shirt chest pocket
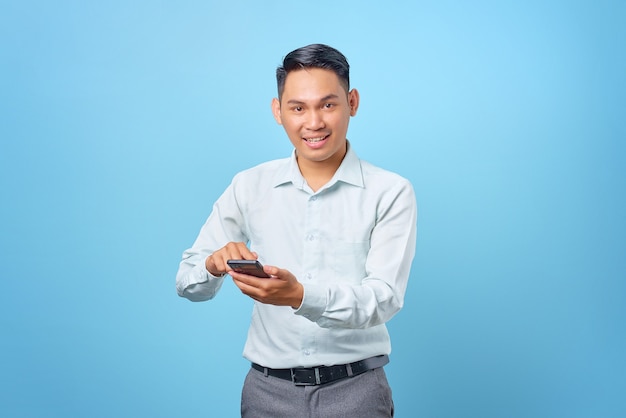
(348, 260)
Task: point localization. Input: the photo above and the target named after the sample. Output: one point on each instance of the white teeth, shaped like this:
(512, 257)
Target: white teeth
(314, 140)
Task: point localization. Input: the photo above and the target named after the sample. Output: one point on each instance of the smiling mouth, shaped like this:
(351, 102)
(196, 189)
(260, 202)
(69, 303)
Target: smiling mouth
(315, 140)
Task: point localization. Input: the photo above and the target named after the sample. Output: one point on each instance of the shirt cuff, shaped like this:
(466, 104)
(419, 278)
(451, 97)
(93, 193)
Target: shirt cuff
(197, 275)
(314, 302)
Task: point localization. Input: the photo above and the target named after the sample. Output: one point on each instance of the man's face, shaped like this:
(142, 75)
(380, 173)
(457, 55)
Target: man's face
(315, 110)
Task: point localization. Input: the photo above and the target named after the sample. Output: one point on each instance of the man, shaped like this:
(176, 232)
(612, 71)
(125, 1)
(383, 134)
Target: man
(343, 233)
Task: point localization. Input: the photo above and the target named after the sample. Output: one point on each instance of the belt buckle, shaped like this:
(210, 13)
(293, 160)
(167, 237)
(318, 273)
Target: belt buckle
(301, 376)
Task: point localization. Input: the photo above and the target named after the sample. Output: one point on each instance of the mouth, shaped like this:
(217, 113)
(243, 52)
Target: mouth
(316, 139)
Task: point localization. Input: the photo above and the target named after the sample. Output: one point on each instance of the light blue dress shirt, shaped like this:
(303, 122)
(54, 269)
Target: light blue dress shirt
(350, 244)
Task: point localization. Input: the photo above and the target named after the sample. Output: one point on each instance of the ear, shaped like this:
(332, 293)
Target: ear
(276, 111)
(353, 101)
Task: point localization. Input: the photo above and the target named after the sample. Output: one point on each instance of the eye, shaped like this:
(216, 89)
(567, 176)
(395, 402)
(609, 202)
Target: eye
(328, 105)
(298, 109)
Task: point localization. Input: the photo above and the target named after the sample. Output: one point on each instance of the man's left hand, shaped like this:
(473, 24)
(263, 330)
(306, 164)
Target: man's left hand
(282, 289)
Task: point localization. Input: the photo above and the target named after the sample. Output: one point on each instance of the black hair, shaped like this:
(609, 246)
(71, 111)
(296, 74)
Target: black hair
(314, 56)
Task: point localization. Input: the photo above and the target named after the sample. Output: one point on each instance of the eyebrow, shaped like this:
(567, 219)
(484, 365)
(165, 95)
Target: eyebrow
(323, 99)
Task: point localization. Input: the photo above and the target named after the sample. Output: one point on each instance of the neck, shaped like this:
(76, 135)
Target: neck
(318, 173)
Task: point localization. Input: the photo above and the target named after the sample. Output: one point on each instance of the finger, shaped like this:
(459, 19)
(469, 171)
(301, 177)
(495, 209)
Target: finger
(245, 287)
(249, 280)
(242, 251)
(282, 274)
(239, 250)
(231, 251)
(271, 270)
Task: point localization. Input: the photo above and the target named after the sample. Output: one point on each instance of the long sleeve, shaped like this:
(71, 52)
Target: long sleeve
(380, 294)
(193, 281)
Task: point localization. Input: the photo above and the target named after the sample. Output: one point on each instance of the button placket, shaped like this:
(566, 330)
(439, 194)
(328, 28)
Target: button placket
(310, 264)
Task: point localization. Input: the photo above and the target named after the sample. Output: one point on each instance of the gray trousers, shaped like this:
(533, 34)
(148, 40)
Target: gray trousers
(365, 395)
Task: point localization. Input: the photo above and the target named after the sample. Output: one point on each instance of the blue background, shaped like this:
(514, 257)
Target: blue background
(121, 122)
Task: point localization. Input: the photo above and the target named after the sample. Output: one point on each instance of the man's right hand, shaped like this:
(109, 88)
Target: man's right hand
(216, 262)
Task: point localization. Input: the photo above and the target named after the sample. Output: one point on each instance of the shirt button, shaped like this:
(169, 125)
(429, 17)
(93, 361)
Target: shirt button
(307, 352)
(313, 198)
(310, 237)
(309, 276)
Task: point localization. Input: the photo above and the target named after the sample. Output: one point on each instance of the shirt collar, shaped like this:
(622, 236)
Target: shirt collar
(348, 172)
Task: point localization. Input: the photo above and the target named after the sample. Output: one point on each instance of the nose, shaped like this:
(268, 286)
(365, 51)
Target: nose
(314, 120)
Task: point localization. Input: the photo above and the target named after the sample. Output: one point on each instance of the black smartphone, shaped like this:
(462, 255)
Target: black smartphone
(251, 267)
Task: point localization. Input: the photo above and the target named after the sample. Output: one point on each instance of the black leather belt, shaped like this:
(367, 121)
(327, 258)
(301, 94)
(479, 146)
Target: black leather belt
(309, 376)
